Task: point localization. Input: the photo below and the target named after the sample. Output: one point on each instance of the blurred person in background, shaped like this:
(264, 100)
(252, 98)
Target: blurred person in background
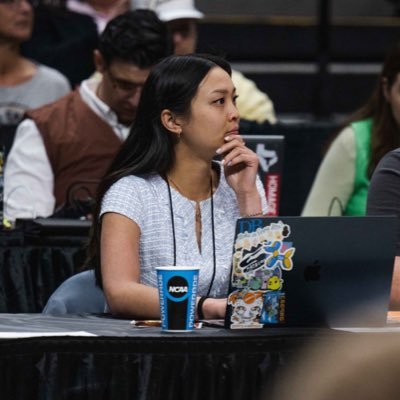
(181, 17)
(342, 182)
(101, 11)
(384, 199)
(72, 141)
(24, 83)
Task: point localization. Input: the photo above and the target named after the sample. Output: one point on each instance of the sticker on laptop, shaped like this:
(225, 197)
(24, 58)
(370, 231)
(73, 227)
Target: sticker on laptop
(247, 306)
(262, 256)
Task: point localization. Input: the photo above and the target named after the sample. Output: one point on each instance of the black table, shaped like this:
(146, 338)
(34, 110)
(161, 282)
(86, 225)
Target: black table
(125, 362)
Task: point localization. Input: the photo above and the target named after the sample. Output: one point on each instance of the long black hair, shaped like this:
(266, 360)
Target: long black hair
(149, 148)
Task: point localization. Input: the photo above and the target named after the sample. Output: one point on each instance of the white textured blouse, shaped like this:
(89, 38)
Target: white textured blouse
(145, 200)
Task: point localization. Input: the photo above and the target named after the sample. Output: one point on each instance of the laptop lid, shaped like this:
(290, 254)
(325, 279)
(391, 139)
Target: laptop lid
(302, 271)
(270, 152)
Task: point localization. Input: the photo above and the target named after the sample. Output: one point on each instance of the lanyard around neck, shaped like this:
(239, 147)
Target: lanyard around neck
(212, 229)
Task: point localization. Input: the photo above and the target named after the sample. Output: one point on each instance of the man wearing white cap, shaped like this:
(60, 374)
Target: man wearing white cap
(181, 17)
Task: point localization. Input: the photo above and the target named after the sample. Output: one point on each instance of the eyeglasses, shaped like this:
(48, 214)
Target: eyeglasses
(123, 85)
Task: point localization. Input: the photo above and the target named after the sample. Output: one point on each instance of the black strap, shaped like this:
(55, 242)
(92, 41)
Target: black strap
(172, 219)
(200, 314)
(212, 228)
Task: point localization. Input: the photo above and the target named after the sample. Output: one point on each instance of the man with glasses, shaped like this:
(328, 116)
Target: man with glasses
(72, 141)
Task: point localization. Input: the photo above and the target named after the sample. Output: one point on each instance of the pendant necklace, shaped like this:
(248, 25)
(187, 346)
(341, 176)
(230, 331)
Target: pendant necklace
(197, 210)
(198, 218)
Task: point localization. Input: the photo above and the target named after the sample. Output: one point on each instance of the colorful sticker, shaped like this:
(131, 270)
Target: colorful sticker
(246, 308)
(273, 311)
(259, 260)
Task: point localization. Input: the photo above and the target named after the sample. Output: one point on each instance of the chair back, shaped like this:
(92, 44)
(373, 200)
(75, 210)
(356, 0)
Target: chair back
(78, 294)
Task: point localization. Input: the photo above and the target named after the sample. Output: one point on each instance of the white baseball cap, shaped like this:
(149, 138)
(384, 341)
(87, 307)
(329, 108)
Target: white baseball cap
(169, 10)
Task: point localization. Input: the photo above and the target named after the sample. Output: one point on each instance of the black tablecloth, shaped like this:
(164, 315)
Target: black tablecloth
(33, 265)
(141, 363)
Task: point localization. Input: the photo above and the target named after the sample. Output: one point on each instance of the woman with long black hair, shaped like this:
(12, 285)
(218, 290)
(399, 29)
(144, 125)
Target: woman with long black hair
(165, 201)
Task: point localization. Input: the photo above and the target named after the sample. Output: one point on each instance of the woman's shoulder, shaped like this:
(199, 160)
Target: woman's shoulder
(362, 129)
(128, 195)
(52, 76)
(134, 183)
(345, 138)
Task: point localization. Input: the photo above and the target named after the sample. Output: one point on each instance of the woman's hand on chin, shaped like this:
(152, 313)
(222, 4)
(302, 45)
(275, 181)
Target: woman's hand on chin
(240, 165)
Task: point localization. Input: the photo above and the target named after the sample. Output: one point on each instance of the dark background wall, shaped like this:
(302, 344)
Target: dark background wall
(314, 62)
(295, 7)
(317, 60)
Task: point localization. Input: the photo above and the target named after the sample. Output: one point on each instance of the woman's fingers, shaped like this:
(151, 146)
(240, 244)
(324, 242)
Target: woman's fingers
(239, 155)
(231, 142)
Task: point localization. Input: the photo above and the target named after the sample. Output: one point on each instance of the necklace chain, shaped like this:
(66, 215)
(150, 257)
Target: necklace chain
(212, 229)
(181, 192)
(196, 207)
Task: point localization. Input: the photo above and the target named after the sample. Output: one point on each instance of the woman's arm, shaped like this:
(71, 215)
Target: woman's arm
(120, 269)
(335, 177)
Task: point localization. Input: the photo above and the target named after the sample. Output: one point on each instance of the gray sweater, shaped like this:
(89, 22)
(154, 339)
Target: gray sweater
(46, 86)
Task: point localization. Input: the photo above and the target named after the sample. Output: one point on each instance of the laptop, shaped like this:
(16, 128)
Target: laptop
(270, 151)
(311, 271)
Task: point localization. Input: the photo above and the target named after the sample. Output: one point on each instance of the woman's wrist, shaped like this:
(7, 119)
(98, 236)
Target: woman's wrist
(250, 204)
(248, 194)
(258, 213)
(211, 308)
